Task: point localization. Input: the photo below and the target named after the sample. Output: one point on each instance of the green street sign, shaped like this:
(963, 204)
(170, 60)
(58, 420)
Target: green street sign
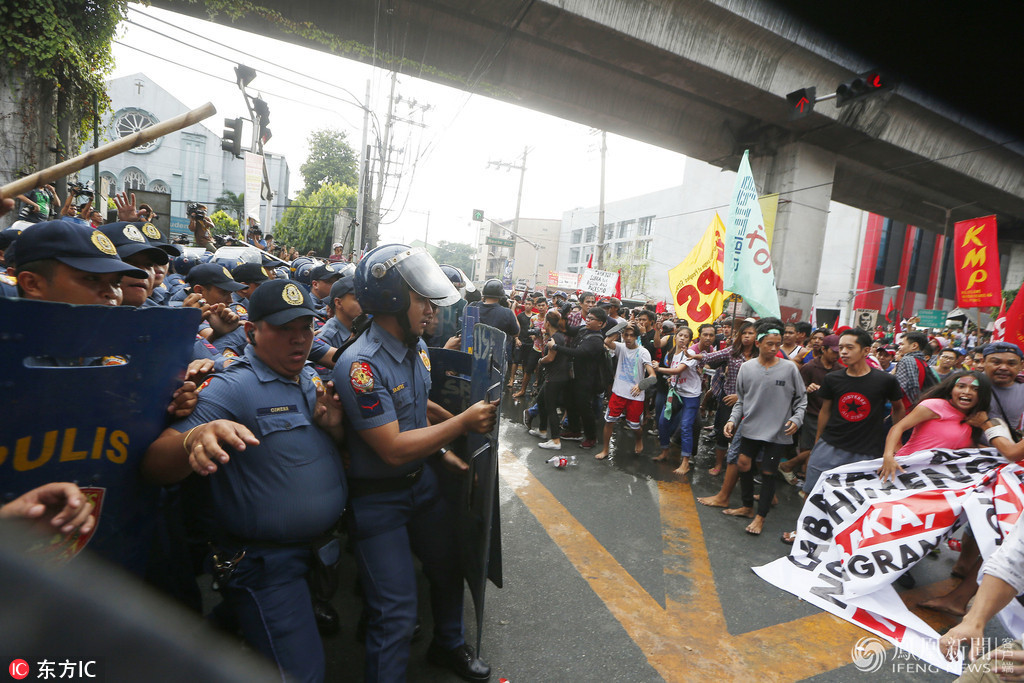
(478, 215)
(500, 242)
(931, 318)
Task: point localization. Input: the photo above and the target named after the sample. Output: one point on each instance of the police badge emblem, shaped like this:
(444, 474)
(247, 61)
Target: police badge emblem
(291, 295)
(151, 231)
(103, 243)
(426, 359)
(132, 233)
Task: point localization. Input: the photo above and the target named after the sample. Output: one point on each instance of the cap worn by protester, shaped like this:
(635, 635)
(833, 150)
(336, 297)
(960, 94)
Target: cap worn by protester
(886, 349)
(326, 272)
(831, 342)
(249, 273)
(1002, 347)
(215, 275)
(345, 285)
(278, 302)
(336, 245)
(73, 245)
(129, 241)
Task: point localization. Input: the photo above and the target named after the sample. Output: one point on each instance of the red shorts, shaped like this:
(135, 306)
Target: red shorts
(634, 410)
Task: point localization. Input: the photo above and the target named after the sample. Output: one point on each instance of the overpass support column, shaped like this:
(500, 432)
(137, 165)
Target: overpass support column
(802, 174)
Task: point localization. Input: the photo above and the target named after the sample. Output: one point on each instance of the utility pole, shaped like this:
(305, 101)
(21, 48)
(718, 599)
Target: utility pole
(383, 158)
(361, 191)
(600, 211)
(521, 167)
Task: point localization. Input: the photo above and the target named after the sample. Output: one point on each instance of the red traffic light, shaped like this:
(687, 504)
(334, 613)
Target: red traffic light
(864, 84)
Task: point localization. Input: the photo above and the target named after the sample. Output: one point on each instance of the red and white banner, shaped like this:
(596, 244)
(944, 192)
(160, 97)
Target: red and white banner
(976, 256)
(856, 535)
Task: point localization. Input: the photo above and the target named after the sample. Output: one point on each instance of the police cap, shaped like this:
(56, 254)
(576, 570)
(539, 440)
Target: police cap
(249, 273)
(326, 272)
(279, 302)
(155, 238)
(213, 275)
(345, 285)
(129, 240)
(73, 245)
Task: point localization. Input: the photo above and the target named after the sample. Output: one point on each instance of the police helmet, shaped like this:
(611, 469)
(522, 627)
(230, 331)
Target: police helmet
(493, 287)
(385, 275)
(454, 274)
(282, 273)
(206, 258)
(183, 264)
(348, 270)
(303, 274)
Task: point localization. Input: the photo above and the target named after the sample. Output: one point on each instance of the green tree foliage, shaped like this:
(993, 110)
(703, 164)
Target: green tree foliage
(633, 266)
(231, 203)
(330, 160)
(308, 222)
(455, 254)
(223, 224)
(66, 44)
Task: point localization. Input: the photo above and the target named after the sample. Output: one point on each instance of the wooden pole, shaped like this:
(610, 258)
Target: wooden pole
(94, 156)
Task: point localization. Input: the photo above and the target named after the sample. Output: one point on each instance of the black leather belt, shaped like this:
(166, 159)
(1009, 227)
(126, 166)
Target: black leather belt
(367, 487)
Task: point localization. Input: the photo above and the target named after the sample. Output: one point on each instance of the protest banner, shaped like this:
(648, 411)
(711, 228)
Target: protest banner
(747, 266)
(563, 280)
(253, 185)
(600, 282)
(976, 257)
(696, 283)
(864, 318)
(856, 535)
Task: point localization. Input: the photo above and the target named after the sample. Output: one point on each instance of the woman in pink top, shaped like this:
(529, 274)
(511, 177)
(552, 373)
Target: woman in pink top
(949, 415)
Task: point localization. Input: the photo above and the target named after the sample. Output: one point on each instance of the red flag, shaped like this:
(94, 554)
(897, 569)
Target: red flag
(1013, 331)
(976, 257)
(618, 287)
(999, 333)
(894, 319)
(590, 261)
(659, 307)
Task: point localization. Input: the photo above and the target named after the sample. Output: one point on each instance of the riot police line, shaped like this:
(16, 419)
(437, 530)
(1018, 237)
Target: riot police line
(174, 412)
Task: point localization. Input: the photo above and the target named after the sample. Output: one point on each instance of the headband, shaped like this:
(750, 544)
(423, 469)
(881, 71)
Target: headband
(767, 332)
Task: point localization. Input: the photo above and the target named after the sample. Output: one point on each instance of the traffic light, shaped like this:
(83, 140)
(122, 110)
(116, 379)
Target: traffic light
(232, 140)
(478, 215)
(801, 102)
(863, 85)
(263, 112)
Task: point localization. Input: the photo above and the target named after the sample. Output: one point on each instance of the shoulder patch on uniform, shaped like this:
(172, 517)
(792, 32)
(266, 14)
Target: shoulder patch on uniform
(205, 384)
(426, 359)
(241, 310)
(317, 382)
(115, 360)
(361, 377)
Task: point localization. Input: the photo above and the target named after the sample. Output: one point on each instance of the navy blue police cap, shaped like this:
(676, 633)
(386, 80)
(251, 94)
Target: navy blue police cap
(279, 302)
(326, 271)
(155, 238)
(345, 285)
(249, 273)
(213, 275)
(129, 241)
(74, 245)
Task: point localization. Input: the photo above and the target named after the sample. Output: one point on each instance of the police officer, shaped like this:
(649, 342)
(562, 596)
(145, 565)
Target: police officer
(449, 323)
(396, 507)
(265, 435)
(213, 282)
(344, 306)
(252, 275)
(321, 278)
(135, 249)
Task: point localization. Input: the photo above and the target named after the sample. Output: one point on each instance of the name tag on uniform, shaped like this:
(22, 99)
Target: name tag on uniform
(398, 388)
(276, 410)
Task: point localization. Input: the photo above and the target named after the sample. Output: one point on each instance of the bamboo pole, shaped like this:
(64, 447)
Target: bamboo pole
(94, 156)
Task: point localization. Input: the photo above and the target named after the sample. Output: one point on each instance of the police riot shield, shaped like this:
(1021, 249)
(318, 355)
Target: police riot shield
(470, 317)
(480, 524)
(87, 390)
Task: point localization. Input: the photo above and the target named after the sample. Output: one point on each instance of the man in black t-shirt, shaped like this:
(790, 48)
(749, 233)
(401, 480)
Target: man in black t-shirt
(850, 422)
(851, 419)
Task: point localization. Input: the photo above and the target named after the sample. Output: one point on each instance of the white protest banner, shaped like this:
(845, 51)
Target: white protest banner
(253, 185)
(864, 318)
(563, 280)
(600, 282)
(856, 535)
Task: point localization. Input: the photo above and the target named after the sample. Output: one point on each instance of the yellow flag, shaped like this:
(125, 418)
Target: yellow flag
(696, 283)
(769, 208)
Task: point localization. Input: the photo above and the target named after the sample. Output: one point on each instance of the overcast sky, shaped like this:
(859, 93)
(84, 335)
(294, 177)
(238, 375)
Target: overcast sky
(462, 132)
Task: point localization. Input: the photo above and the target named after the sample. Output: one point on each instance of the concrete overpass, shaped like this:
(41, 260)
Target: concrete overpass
(706, 78)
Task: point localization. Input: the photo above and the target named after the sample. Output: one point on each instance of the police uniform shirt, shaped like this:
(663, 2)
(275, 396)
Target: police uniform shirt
(291, 487)
(334, 333)
(161, 295)
(381, 380)
(319, 305)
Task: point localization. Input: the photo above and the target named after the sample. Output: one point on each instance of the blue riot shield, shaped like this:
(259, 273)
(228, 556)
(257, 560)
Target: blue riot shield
(86, 393)
(480, 523)
(470, 317)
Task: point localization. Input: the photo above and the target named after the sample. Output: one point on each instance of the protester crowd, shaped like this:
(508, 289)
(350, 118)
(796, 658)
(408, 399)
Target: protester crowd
(309, 387)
